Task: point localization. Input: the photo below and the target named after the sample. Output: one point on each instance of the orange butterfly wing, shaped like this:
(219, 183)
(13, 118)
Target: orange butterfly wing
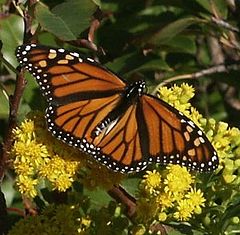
(80, 118)
(173, 138)
(153, 131)
(88, 109)
(121, 147)
(66, 76)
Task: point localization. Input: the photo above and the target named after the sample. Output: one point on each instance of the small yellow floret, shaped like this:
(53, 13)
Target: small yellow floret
(178, 179)
(152, 182)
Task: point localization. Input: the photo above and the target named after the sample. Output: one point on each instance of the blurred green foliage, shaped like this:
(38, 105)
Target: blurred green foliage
(152, 40)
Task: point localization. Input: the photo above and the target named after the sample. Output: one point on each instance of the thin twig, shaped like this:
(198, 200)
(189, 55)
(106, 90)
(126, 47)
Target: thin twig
(30, 209)
(224, 24)
(14, 102)
(122, 196)
(93, 28)
(218, 56)
(89, 43)
(215, 69)
(231, 98)
(16, 210)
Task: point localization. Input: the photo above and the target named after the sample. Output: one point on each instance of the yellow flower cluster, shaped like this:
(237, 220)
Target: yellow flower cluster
(226, 141)
(35, 157)
(38, 156)
(169, 196)
(54, 220)
(177, 96)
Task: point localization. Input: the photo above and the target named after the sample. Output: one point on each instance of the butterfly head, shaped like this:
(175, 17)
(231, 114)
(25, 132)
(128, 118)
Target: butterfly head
(135, 89)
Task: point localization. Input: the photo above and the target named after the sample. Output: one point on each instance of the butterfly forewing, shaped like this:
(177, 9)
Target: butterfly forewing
(65, 76)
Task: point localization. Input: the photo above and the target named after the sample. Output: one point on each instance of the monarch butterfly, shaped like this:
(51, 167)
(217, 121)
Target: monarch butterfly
(92, 109)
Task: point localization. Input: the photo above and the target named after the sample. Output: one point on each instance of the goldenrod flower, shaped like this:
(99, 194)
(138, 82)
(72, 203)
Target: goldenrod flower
(34, 155)
(196, 199)
(29, 151)
(228, 177)
(162, 216)
(170, 195)
(138, 230)
(152, 182)
(177, 197)
(24, 168)
(27, 186)
(25, 132)
(177, 96)
(185, 210)
(177, 180)
(85, 223)
(236, 220)
(165, 201)
(197, 118)
(58, 173)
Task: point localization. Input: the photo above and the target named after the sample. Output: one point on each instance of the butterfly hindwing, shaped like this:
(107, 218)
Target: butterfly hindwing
(173, 138)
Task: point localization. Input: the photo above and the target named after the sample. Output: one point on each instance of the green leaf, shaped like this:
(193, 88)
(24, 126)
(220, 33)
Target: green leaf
(32, 95)
(131, 185)
(182, 229)
(152, 65)
(134, 62)
(172, 29)
(2, 2)
(76, 14)
(8, 190)
(206, 4)
(52, 23)
(97, 2)
(11, 35)
(4, 110)
(98, 197)
(220, 6)
(180, 43)
(66, 20)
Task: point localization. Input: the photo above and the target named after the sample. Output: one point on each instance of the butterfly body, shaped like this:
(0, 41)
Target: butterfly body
(117, 123)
